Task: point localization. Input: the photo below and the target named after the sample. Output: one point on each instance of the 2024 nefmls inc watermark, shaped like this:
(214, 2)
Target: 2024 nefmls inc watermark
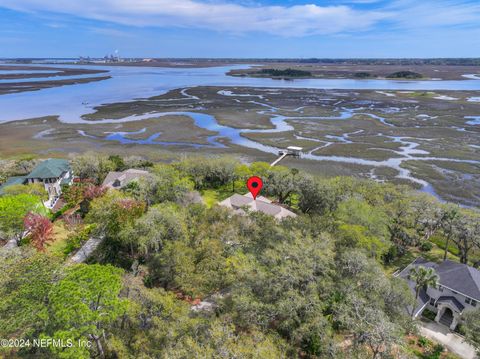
(44, 343)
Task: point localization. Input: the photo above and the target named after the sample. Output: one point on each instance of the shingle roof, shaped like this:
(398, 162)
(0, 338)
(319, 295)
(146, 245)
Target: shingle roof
(237, 202)
(460, 277)
(452, 301)
(457, 276)
(51, 168)
(124, 177)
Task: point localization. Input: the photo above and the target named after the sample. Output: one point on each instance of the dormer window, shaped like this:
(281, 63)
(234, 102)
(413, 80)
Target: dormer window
(474, 303)
(440, 288)
(468, 300)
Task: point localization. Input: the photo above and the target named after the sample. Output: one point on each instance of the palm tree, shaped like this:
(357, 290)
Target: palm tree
(423, 278)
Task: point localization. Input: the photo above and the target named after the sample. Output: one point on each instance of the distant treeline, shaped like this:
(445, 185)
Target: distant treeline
(412, 61)
(287, 72)
(405, 75)
(393, 61)
(441, 61)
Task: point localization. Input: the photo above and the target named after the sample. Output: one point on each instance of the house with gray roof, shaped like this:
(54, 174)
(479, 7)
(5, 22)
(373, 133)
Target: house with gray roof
(458, 290)
(52, 173)
(240, 204)
(121, 179)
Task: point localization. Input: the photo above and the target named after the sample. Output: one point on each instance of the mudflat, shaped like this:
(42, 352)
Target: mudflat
(422, 138)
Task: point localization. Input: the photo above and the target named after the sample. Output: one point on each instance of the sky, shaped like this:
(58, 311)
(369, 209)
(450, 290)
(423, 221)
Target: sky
(240, 28)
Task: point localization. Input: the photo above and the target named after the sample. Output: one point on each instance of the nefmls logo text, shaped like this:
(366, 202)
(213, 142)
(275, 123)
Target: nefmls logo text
(59, 343)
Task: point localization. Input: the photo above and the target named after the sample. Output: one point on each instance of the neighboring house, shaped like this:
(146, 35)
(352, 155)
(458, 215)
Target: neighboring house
(121, 179)
(239, 203)
(52, 173)
(458, 290)
(11, 181)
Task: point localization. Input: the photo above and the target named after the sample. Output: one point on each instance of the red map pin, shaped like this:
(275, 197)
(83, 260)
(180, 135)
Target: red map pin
(254, 185)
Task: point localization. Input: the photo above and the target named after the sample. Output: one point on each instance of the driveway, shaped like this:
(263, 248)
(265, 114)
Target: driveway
(444, 336)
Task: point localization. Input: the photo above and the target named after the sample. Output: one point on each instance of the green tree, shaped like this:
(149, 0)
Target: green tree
(281, 183)
(111, 214)
(83, 305)
(471, 326)
(317, 197)
(117, 162)
(25, 280)
(451, 215)
(162, 223)
(222, 340)
(466, 233)
(93, 166)
(13, 210)
(359, 212)
(165, 183)
(423, 278)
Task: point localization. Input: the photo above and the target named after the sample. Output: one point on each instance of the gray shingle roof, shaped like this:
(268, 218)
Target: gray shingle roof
(457, 276)
(238, 202)
(121, 179)
(460, 277)
(452, 301)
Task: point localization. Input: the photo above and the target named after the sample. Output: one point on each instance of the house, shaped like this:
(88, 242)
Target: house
(458, 290)
(11, 181)
(121, 179)
(239, 203)
(52, 173)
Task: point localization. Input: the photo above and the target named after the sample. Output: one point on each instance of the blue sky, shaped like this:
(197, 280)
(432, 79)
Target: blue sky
(240, 28)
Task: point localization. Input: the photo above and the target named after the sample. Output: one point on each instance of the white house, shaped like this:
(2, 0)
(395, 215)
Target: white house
(52, 173)
(458, 291)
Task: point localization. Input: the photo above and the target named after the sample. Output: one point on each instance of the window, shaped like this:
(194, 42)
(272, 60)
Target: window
(467, 300)
(432, 301)
(440, 288)
(474, 303)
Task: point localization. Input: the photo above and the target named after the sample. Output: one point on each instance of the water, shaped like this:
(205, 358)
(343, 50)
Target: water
(128, 83)
(23, 72)
(473, 120)
(407, 151)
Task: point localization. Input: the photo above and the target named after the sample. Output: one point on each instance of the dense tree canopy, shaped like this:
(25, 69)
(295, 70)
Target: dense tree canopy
(176, 277)
(13, 209)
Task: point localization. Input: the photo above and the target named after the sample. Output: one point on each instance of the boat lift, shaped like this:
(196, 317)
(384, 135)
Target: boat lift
(290, 151)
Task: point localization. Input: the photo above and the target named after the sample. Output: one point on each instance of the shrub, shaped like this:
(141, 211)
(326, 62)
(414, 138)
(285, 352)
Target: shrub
(429, 314)
(75, 241)
(423, 342)
(425, 246)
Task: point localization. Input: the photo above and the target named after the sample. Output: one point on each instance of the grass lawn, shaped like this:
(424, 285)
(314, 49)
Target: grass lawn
(210, 197)
(213, 196)
(60, 235)
(434, 255)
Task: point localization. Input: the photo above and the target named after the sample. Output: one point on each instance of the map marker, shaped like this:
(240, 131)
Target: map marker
(254, 185)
